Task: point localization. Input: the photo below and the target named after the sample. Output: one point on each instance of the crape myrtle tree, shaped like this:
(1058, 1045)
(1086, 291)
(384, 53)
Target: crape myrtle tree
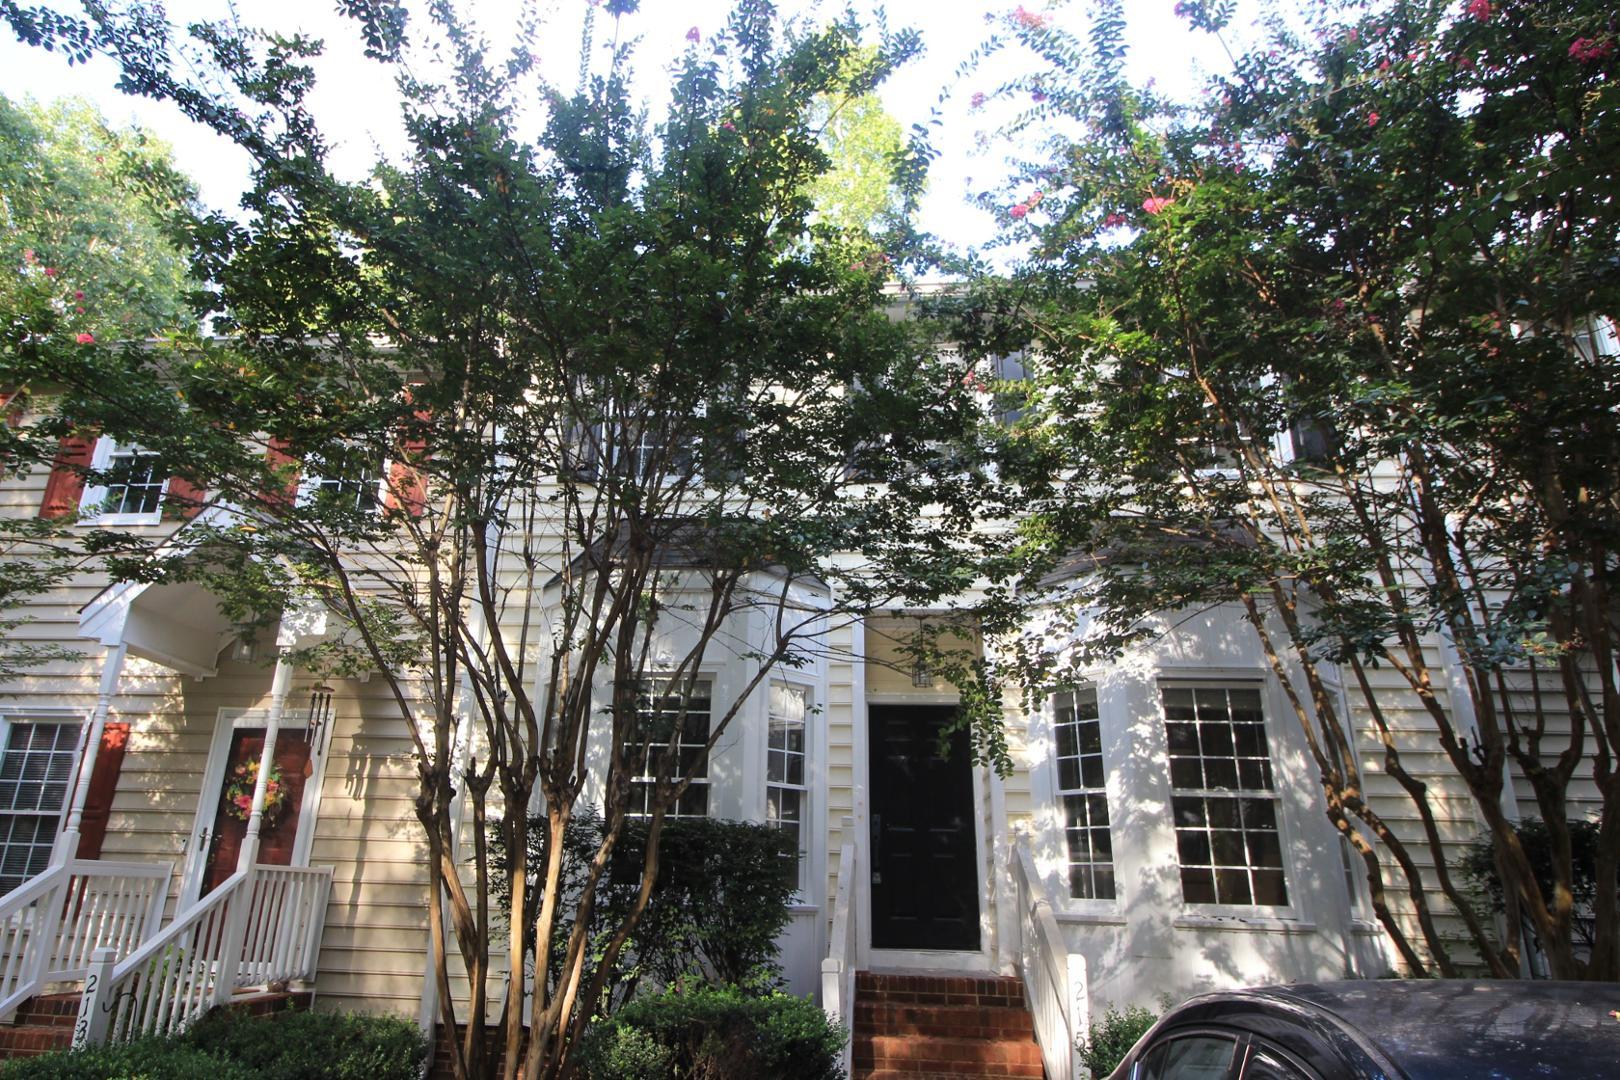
(522, 411)
(1333, 335)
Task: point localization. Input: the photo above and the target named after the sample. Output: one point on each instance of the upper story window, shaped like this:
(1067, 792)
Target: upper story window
(1224, 799)
(1082, 790)
(661, 710)
(787, 792)
(131, 488)
(353, 484)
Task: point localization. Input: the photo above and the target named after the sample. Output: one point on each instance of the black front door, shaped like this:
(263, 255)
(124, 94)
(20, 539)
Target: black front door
(925, 889)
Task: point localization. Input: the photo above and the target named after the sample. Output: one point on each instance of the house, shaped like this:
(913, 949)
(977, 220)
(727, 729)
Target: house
(1161, 830)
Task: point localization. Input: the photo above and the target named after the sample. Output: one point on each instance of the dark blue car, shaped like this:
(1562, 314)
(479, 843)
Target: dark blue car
(1421, 1029)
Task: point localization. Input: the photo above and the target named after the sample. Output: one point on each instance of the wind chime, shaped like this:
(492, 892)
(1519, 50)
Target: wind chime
(320, 713)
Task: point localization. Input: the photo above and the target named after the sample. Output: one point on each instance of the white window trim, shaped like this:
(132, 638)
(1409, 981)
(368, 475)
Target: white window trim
(309, 483)
(95, 493)
(46, 715)
(707, 780)
(1091, 905)
(804, 891)
(1285, 913)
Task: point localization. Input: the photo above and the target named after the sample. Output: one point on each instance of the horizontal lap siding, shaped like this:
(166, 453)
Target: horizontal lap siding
(1415, 737)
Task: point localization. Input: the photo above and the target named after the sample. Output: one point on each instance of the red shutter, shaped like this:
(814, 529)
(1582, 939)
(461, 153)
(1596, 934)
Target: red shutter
(183, 498)
(103, 782)
(66, 484)
(280, 462)
(406, 487)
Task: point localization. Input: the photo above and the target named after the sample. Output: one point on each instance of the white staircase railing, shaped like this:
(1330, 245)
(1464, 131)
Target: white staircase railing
(259, 925)
(1054, 978)
(838, 968)
(52, 924)
(285, 919)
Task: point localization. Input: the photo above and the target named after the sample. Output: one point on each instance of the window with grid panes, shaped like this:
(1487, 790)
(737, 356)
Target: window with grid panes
(134, 482)
(661, 709)
(1081, 789)
(354, 485)
(35, 771)
(786, 787)
(1223, 797)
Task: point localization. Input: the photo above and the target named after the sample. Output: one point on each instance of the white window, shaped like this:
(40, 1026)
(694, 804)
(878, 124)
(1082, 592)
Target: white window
(660, 709)
(787, 793)
(36, 767)
(131, 485)
(352, 484)
(1082, 792)
(1223, 798)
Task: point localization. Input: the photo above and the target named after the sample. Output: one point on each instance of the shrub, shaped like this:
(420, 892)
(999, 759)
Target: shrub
(1478, 866)
(720, 900)
(1112, 1037)
(314, 1046)
(234, 1046)
(146, 1059)
(713, 1033)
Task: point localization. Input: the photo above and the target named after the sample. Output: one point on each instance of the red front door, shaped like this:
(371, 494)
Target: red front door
(280, 830)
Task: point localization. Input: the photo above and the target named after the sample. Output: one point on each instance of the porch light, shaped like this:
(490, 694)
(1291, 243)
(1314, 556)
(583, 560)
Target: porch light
(921, 677)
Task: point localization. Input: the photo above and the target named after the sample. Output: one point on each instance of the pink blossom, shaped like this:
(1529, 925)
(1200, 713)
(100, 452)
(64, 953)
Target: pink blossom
(1384, 66)
(29, 257)
(1035, 199)
(78, 294)
(1037, 95)
(728, 125)
(1019, 211)
(1589, 50)
(51, 271)
(1372, 119)
(79, 308)
(977, 101)
(1157, 204)
(1113, 221)
(1464, 62)
(694, 35)
(1480, 9)
(244, 802)
(85, 339)
(1029, 20)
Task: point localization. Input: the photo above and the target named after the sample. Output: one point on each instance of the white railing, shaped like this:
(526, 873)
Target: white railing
(838, 969)
(52, 924)
(284, 925)
(1054, 978)
(258, 926)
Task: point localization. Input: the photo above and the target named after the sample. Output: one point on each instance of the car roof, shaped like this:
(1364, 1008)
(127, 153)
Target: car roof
(1448, 1029)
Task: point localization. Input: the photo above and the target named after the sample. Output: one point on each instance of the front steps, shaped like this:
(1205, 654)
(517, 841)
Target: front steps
(45, 1022)
(41, 1024)
(930, 1027)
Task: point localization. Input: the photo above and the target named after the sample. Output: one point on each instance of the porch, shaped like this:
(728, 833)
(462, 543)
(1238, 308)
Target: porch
(146, 946)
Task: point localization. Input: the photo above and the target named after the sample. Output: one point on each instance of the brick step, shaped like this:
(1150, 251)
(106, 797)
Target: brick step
(47, 1010)
(989, 990)
(962, 1021)
(29, 1040)
(954, 1057)
(940, 1053)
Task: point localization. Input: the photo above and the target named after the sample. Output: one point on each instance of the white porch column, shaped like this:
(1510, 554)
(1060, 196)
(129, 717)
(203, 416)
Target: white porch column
(280, 683)
(112, 666)
(241, 904)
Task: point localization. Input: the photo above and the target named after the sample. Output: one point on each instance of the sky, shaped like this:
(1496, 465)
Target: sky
(355, 101)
